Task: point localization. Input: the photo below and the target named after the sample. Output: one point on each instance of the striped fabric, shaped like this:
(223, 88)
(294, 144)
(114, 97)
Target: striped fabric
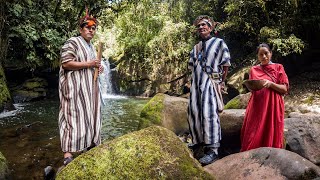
(80, 106)
(203, 117)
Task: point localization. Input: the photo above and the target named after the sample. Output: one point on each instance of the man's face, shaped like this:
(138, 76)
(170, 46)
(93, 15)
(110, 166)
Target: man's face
(87, 32)
(203, 29)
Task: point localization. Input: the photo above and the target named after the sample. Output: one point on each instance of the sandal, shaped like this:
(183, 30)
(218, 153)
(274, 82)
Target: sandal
(67, 160)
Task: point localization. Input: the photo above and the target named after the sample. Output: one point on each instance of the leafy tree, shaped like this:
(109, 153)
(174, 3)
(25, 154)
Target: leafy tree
(37, 29)
(274, 22)
(152, 43)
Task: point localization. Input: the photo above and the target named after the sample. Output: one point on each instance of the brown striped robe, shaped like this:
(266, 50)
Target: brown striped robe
(80, 106)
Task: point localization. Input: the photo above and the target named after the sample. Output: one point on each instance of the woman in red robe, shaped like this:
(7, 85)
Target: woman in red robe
(263, 124)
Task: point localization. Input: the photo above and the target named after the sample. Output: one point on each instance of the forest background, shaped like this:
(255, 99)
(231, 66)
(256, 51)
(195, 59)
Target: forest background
(149, 41)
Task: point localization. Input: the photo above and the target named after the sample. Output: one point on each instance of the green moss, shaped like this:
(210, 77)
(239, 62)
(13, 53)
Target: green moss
(31, 85)
(31, 94)
(152, 153)
(233, 104)
(3, 166)
(4, 91)
(309, 100)
(151, 113)
(35, 83)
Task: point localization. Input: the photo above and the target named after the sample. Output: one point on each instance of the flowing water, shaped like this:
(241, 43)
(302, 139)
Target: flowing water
(29, 136)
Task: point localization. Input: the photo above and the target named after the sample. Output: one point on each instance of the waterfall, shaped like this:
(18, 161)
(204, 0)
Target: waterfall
(105, 82)
(105, 78)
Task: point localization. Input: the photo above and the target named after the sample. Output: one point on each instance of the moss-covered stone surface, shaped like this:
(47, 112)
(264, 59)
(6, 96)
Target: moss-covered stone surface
(238, 102)
(4, 91)
(151, 113)
(3, 167)
(233, 104)
(151, 153)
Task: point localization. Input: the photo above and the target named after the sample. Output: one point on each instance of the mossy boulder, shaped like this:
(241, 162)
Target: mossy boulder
(166, 111)
(4, 172)
(152, 153)
(238, 102)
(31, 89)
(237, 79)
(5, 97)
(151, 113)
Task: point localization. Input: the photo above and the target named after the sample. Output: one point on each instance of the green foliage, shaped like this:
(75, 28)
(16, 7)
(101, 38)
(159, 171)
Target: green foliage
(38, 29)
(287, 46)
(152, 41)
(34, 37)
(274, 22)
(283, 46)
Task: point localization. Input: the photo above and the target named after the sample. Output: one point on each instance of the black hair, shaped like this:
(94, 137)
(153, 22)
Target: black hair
(263, 45)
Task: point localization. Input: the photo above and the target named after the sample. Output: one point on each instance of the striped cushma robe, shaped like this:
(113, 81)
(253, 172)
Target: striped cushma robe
(79, 115)
(203, 117)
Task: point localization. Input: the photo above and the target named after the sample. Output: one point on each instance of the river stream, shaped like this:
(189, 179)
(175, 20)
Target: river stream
(30, 137)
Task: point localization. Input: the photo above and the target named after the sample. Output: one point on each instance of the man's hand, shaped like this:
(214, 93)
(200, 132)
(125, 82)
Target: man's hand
(94, 63)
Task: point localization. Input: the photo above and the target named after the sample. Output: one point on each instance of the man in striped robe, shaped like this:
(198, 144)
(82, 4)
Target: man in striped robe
(210, 58)
(79, 115)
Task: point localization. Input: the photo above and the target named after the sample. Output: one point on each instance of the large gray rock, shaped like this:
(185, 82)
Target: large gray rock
(231, 121)
(264, 163)
(166, 111)
(302, 132)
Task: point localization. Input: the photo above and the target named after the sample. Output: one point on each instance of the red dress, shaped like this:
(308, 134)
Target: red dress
(263, 124)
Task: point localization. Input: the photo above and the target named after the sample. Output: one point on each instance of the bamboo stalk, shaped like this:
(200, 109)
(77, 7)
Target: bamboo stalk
(99, 56)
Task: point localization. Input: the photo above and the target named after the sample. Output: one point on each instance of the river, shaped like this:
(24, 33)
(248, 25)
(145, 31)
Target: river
(30, 138)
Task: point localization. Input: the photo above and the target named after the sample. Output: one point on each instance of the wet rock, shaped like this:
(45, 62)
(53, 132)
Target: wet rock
(264, 163)
(231, 123)
(302, 132)
(30, 90)
(166, 111)
(49, 173)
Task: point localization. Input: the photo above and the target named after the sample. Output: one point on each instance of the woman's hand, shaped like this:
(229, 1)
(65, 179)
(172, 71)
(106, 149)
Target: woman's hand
(267, 83)
(280, 88)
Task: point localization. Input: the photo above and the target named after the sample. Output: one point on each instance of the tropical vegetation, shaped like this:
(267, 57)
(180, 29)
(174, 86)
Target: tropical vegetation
(149, 40)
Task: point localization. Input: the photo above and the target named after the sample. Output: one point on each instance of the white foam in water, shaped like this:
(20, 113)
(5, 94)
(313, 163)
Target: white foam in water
(112, 96)
(18, 107)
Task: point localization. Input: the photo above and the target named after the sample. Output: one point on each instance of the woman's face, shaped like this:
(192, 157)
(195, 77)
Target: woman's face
(203, 29)
(264, 55)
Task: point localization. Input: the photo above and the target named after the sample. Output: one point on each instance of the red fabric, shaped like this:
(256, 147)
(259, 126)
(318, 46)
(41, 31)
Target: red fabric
(263, 124)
